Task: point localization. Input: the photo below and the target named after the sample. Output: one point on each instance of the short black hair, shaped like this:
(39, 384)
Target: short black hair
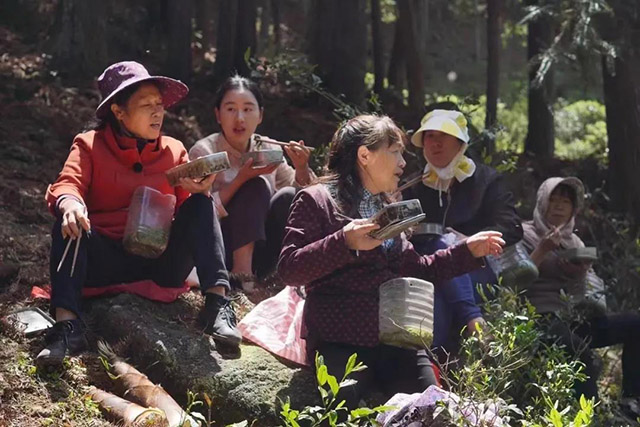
(565, 190)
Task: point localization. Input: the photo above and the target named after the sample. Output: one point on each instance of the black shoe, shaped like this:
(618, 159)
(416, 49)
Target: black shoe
(64, 338)
(219, 320)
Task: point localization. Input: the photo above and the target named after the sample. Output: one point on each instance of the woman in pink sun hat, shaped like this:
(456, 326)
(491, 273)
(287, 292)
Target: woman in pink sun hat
(91, 197)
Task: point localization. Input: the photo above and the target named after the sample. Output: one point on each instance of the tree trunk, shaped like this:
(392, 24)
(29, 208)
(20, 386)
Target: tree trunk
(338, 34)
(540, 135)
(415, 72)
(275, 16)
(622, 103)
(263, 41)
(376, 41)
(179, 61)
(206, 21)
(80, 48)
(246, 34)
(494, 8)
(397, 65)
(226, 43)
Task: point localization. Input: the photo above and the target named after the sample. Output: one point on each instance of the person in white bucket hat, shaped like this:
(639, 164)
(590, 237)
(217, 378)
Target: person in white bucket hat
(464, 197)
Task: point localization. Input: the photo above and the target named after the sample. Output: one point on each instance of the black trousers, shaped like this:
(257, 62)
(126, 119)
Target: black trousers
(256, 216)
(390, 369)
(602, 331)
(195, 240)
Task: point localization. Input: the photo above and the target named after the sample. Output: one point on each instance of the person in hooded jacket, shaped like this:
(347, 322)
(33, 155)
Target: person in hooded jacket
(563, 281)
(464, 198)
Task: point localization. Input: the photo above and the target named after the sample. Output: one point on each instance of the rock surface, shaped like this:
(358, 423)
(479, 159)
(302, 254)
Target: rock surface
(163, 341)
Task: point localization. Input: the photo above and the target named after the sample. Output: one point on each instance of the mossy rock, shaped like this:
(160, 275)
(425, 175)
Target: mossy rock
(163, 341)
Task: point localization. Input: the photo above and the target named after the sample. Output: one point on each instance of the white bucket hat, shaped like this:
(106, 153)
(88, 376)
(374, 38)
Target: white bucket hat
(448, 121)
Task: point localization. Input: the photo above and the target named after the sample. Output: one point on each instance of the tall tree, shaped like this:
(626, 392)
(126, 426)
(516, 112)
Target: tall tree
(622, 102)
(179, 61)
(235, 37)
(397, 71)
(540, 132)
(80, 47)
(338, 45)
(206, 22)
(407, 19)
(494, 8)
(376, 41)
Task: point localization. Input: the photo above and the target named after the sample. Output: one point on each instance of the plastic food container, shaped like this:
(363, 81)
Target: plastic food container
(405, 314)
(149, 222)
(514, 266)
(198, 168)
(262, 158)
(396, 218)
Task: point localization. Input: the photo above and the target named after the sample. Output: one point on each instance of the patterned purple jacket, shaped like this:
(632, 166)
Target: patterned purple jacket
(342, 287)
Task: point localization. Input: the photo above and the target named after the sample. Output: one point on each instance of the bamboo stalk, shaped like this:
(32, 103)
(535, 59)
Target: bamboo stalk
(137, 387)
(128, 413)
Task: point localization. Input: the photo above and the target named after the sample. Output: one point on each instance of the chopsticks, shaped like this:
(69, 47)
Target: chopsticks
(75, 253)
(408, 184)
(264, 140)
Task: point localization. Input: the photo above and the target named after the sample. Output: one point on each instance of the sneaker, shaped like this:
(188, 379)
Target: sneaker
(64, 338)
(219, 320)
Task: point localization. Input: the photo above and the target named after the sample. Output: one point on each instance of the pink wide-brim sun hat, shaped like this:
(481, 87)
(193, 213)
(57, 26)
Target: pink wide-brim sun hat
(121, 75)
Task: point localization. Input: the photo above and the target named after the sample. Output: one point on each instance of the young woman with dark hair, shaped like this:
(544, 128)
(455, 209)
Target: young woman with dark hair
(252, 202)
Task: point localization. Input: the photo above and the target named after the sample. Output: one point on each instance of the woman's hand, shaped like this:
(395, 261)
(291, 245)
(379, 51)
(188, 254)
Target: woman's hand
(247, 172)
(573, 270)
(195, 186)
(356, 235)
(74, 218)
(485, 243)
(550, 242)
(298, 153)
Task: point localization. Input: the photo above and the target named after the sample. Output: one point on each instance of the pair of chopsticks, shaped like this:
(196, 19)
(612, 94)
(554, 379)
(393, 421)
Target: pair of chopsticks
(265, 140)
(75, 252)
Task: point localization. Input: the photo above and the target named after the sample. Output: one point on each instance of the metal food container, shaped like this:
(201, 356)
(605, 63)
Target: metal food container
(588, 253)
(198, 168)
(396, 218)
(262, 158)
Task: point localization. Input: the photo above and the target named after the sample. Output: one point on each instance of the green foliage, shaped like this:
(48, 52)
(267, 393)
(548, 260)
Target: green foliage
(581, 130)
(510, 361)
(331, 411)
(576, 37)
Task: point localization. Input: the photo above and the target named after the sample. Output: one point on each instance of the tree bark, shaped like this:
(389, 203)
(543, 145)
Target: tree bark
(397, 64)
(540, 135)
(338, 35)
(80, 48)
(494, 7)
(275, 16)
(206, 21)
(415, 72)
(376, 41)
(226, 43)
(622, 102)
(246, 34)
(179, 60)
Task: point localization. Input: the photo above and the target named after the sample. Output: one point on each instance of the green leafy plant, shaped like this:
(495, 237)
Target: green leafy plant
(332, 411)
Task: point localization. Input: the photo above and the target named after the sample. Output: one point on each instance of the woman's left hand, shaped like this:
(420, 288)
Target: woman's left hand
(573, 270)
(196, 186)
(298, 153)
(485, 243)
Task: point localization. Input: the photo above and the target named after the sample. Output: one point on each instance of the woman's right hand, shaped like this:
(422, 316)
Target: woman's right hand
(356, 235)
(74, 218)
(550, 242)
(247, 172)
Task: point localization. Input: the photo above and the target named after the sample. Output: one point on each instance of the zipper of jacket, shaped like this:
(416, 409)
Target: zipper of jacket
(446, 210)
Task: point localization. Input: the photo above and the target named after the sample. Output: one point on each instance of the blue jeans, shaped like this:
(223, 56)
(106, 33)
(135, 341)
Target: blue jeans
(454, 302)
